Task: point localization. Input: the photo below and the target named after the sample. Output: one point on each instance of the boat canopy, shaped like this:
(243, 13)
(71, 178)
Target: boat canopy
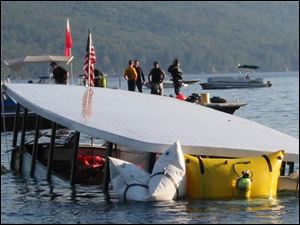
(151, 123)
(16, 64)
(248, 67)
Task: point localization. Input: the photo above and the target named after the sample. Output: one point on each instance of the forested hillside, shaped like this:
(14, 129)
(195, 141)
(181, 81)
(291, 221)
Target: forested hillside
(208, 37)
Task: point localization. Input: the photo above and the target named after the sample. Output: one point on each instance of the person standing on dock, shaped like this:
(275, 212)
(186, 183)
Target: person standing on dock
(156, 78)
(130, 75)
(176, 73)
(140, 78)
(60, 75)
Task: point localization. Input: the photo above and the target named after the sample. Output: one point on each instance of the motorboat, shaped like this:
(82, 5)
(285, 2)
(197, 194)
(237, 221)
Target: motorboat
(169, 83)
(215, 102)
(193, 81)
(8, 105)
(234, 82)
(244, 81)
(166, 84)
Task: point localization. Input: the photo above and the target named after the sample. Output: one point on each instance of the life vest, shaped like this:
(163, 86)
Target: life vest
(91, 161)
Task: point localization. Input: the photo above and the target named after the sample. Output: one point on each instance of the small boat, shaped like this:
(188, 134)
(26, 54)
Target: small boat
(167, 84)
(8, 105)
(189, 81)
(215, 102)
(244, 81)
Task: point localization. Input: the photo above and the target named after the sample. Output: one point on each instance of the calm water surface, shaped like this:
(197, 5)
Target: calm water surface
(29, 201)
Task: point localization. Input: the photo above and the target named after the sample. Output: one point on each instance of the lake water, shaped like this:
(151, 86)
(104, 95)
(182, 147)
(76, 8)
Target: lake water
(29, 201)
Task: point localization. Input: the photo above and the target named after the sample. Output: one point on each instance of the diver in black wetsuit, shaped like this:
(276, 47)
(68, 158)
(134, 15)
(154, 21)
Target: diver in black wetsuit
(176, 75)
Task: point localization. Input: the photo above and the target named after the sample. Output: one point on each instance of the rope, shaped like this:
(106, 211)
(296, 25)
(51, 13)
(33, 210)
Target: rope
(170, 178)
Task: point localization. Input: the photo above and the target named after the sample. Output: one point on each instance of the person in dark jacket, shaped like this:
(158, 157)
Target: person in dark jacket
(176, 73)
(140, 76)
(60, 75)
(156, 78)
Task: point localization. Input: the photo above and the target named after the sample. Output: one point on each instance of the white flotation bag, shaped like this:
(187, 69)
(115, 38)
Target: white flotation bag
(133, 183)
(167, 174)
(129, 181)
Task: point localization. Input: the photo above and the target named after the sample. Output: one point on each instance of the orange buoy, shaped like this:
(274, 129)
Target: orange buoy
(180, 96)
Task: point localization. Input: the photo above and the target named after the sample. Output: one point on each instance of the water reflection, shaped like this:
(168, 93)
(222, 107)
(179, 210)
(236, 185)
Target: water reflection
(87, 103)
(272, 210)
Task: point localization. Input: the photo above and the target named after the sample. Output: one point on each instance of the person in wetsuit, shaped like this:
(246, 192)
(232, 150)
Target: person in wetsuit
(140, 76)
(176, 73)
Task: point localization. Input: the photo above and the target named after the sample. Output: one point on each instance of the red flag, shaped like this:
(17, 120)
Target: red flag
(89, 62)
(68, 43)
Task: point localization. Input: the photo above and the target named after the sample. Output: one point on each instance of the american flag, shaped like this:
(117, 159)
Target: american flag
(89, 62)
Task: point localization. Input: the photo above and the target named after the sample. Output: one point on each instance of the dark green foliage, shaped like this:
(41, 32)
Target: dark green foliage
(206, 36)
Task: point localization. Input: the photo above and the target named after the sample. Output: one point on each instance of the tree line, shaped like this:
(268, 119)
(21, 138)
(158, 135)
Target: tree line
(207, 37)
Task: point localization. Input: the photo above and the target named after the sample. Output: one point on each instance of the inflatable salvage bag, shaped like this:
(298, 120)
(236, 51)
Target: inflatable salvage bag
(129, 181)
(166, 181)
(233, 178)
(133, 183)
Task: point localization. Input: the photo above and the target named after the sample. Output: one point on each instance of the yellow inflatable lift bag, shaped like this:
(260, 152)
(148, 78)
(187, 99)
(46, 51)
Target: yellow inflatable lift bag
(233, 178)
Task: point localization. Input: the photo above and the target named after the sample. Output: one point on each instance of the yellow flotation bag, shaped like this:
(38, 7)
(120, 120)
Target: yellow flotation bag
(233, 178)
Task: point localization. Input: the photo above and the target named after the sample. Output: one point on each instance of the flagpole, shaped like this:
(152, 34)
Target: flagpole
(71, 67)
(89, 64)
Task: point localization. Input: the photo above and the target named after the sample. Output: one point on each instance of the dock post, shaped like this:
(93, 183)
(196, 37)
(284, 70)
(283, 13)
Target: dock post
(151, 162)
(22, 144)
(51, 149)
(35, 145)
(291, 167)
(282, 168)
(106, 168)
(74, 160)
(15, 137)
(16, 126)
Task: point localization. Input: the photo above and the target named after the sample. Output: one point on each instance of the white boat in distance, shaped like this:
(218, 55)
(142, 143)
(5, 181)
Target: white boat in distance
(151, 123)
(236, 82)
(167, 84)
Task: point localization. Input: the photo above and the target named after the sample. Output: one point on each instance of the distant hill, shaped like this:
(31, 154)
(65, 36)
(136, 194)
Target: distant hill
(207, 37)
